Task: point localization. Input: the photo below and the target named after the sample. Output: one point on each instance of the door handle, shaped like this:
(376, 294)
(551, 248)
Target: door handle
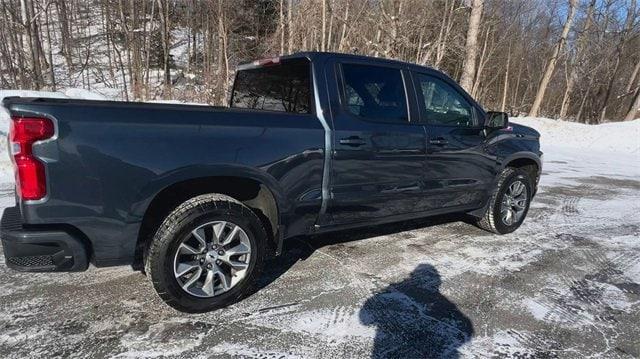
(438, 141)
(353, 141)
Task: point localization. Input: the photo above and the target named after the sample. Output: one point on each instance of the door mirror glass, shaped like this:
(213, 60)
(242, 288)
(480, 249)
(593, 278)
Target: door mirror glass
(496, 120)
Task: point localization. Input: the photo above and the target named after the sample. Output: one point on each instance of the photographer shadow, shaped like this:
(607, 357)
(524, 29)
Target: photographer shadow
(414, 320)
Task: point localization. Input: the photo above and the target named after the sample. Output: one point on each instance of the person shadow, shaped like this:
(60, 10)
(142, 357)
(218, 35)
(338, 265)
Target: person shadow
(414, 320)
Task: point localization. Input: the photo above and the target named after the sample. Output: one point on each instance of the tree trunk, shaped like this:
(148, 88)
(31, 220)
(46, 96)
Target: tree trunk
(481, 63)
(281, 20)
(127, 43)
(65, 34)
(37, 38)
(551, 64)
(632, 79)
(324, 24)
(290, 26)
(579, 55)
(223, 60)
(108, 29)
(506, 81)
(343, 34)
(52, 73)
(148, 50)
(330, 29)
(441, 46)
(471, 46)
(35, 58)
(632, 114)
(618, 54)
(15, 50)
(163, 11)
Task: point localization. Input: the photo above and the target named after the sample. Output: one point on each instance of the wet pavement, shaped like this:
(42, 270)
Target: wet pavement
(566, 284)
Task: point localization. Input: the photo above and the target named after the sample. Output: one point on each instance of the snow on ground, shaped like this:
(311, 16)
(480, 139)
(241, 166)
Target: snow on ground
(566, 284)
(622, 137)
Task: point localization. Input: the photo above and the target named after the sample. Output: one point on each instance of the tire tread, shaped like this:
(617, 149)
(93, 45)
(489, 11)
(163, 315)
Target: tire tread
(170, 224)
(487, 221)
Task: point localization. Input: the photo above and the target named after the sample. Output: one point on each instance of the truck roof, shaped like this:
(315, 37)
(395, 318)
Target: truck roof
(315, 56)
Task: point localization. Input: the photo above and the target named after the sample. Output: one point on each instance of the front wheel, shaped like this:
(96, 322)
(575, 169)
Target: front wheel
(509, 202)
(207, 254)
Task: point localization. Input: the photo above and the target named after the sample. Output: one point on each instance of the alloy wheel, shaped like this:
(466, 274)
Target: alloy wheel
(212, 259)
(514, 203)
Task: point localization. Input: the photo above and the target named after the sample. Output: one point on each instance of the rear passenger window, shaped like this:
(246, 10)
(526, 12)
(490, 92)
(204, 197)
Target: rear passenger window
(375, 93)
(443, 104)
(285, 87)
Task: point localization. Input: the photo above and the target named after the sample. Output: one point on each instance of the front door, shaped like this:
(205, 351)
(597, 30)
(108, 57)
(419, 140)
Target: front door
(458, 169)
(379, 153)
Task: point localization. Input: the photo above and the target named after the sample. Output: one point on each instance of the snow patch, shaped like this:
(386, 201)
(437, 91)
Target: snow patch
(160, 340)
(83, 94)
(621, 137)
(338, 323)
(244, 351)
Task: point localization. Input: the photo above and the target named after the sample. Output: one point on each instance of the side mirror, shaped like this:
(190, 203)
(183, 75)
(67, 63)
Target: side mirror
(496, 120)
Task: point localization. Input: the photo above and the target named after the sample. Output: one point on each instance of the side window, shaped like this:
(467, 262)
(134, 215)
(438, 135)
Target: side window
(285, 88)
(375, 93)
(442, 104)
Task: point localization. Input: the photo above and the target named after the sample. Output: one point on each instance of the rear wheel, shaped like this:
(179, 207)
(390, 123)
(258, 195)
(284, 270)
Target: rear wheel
(207, 254)
(509, 202)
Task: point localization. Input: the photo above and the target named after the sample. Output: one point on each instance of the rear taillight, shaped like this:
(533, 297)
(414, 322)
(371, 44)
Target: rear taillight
(31, 181)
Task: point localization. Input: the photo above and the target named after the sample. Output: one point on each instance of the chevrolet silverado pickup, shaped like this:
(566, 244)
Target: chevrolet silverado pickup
(197, 196)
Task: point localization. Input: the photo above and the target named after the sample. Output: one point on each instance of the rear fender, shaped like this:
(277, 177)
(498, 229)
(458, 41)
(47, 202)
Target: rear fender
(150, 191)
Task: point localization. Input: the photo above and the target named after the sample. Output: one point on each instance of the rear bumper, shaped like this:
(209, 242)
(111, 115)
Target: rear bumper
(40, 249)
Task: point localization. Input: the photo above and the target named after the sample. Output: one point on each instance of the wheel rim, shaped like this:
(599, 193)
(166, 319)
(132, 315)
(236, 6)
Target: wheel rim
(212, 259)
(514, 203)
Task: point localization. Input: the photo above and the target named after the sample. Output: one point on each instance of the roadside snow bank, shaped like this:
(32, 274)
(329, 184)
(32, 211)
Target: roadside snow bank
(83, 94)
(623, 137)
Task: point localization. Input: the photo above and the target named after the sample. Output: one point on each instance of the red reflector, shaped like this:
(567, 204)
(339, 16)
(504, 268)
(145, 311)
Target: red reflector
(31, 181)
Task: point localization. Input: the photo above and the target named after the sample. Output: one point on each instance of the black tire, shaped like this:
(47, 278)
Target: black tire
(491, 220)
(181, 221)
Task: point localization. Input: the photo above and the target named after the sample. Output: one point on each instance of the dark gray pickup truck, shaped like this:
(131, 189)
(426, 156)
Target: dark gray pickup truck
(199, 196)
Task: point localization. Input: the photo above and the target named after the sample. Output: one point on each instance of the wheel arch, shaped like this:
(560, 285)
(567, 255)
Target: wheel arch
(254, 191)
(526, 161)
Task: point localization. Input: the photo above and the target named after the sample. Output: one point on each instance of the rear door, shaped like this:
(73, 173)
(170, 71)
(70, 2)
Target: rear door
(379, 146)
(458, 169)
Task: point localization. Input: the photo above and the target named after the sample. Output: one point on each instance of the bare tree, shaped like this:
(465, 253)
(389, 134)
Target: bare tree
(631, 11)
(163, 12)
(579, 58)
(471, 46)
(494, 47)
(551, 63)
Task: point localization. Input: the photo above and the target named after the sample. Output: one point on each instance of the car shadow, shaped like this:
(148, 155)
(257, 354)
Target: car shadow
(300, 248)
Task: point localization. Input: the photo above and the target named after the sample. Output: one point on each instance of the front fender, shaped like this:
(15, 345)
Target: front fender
(521, 155)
